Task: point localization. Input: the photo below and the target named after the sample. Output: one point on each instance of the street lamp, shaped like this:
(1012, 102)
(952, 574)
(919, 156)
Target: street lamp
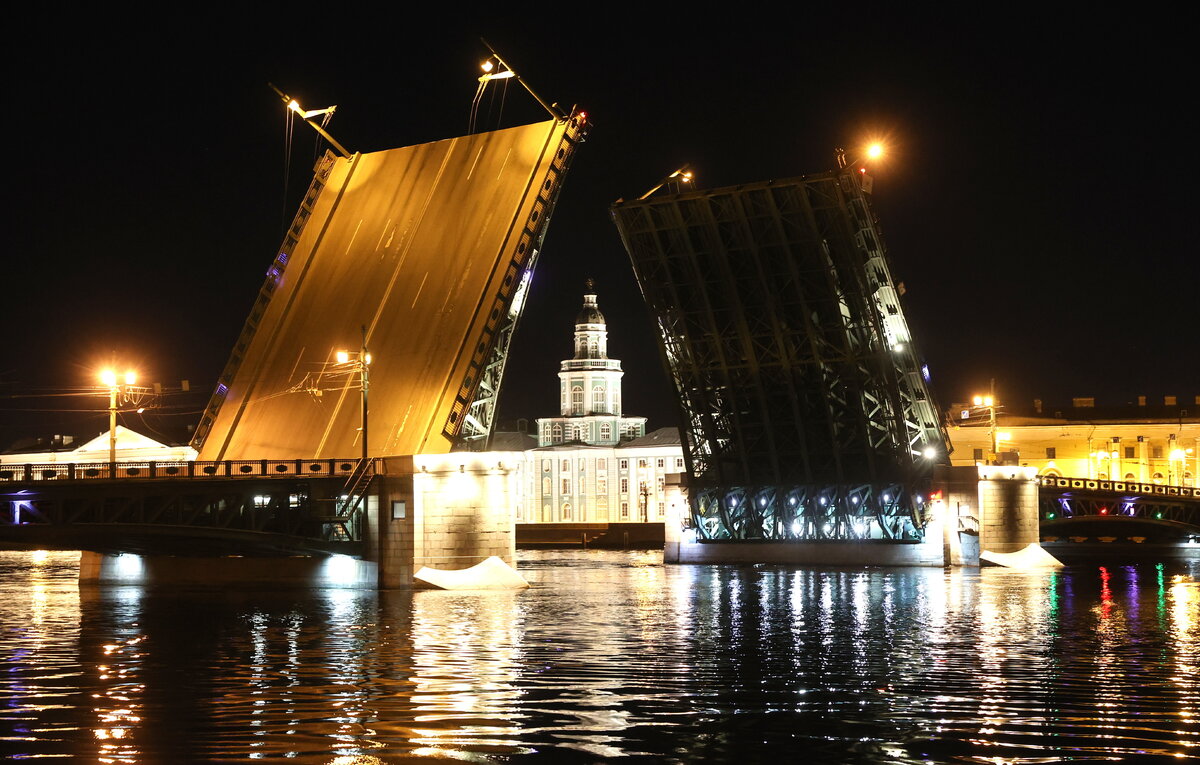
(359, 362)
(115, 388)
(989, 401)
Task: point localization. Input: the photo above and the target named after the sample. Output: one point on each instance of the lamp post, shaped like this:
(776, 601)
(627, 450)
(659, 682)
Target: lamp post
(361, 362)
(990, 402)
(115, 388)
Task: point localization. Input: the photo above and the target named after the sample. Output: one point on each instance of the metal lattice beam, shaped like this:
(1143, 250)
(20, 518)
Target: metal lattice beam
(803, 398)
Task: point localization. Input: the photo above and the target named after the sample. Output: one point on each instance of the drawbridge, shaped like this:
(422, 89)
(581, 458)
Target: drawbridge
(805, 407)
(420, 254)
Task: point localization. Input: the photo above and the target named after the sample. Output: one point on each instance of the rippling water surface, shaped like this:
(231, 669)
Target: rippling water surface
(611, 654)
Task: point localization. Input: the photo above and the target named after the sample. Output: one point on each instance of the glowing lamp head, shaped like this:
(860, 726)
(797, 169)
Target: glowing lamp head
(929, 452)
(343, 357)
(367, 359)
(487, 66)
(875, 151)
(108, 377)
(977, 401)
(294, 105)
(130, 377)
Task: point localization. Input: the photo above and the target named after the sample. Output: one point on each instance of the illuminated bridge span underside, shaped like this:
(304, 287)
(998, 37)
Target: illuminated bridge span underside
(429, 247)
(806, 407)
(1090, 509)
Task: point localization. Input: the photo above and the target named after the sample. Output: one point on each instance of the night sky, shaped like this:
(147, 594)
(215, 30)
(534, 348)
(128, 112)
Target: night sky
(1037, 201)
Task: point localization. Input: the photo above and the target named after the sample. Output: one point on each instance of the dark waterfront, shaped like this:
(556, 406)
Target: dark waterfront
(612, 654)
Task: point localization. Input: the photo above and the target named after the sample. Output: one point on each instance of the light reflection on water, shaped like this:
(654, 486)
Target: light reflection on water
(611, 654)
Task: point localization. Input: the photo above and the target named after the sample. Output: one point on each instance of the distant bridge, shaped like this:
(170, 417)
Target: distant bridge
(1087, 508)
(259, 507)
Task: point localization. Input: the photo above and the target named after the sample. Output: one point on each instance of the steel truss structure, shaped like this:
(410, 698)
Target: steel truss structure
(201, 516)
(806, 409)
(1066, 503)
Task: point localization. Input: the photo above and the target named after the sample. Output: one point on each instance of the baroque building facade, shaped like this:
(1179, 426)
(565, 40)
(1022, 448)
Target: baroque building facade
(1144, 442)
(594, 464)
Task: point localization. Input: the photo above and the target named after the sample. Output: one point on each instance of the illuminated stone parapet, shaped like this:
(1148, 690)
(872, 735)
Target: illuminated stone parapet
(1008, 508)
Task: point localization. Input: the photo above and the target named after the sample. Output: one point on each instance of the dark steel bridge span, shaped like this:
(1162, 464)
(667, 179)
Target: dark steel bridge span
(806, 407)
(1086, 509)
(252, 507)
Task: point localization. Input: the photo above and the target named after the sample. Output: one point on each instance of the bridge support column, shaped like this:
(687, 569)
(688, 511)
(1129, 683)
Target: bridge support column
(955, 500)
(1008, 508)
(446, 511)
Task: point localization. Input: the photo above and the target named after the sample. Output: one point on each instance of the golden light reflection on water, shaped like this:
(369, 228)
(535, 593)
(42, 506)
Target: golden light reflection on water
(613, 654)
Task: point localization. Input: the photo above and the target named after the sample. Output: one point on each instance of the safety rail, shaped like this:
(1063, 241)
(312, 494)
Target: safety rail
(93, 471)
(1136, 487)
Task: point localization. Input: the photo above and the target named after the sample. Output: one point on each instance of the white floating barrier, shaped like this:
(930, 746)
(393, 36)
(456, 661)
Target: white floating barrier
(1032, 556)
(491, 574)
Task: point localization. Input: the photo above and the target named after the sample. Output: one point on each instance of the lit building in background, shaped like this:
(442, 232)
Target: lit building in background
(589, 389)
(1144, 443)
(592, 463)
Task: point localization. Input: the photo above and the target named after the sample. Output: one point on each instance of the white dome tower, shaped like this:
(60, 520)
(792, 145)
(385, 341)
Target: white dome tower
(590, 388)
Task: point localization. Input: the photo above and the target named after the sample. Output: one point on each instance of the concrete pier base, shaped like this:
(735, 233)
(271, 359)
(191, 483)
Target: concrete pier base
(971, 509)
(338, 571)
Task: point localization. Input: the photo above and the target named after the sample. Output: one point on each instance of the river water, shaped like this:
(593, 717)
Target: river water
(611, 655)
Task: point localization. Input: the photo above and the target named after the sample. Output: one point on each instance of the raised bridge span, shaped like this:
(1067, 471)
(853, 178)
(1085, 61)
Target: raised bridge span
(415, 260)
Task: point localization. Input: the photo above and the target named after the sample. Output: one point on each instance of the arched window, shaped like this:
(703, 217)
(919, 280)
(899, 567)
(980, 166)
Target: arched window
(605, 431)
(598, 398)
(577, 399)
(557, 433)
(1157, 478)
(1130, 477)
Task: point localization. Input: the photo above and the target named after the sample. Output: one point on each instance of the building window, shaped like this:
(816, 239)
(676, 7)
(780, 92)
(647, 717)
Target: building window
(602, 464)
(662, 509)
(624, 485)
(679, 463)
(546, 465)
(1156, 452)
(598, 399)
(662, 484)
(624, 509)
(1050, 452)
(661, 462)
(566, 465)
(577, 400)
(977, 454)
(642, 463)
(566, 511)
(605, 431)
(1130, 477)
(624, 464)
(557, 433)
(566, 486)
(1130, 452)
(601, 486)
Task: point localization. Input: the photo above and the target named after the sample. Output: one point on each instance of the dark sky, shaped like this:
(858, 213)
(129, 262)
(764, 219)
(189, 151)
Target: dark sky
(1037, 200)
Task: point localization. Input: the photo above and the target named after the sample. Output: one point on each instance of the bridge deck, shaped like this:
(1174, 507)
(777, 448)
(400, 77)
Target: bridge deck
(424, 246)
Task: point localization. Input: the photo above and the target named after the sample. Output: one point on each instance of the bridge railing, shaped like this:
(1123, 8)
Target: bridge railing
(1131, 487)
(258, 469)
